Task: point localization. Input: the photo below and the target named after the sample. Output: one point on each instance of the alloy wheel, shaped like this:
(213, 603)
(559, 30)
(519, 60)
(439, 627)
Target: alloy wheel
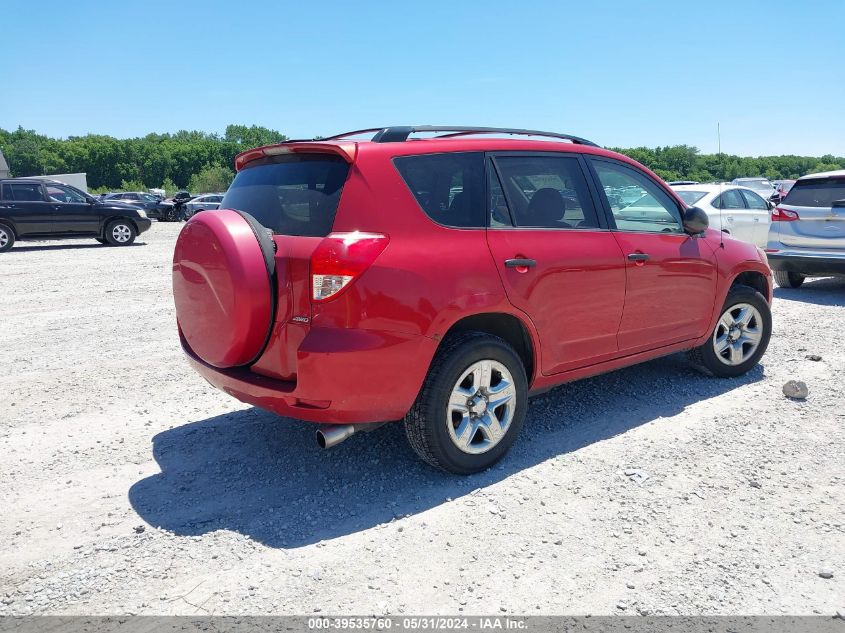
(481, 407)
(738, 334)
(121, 233)
(4, 238)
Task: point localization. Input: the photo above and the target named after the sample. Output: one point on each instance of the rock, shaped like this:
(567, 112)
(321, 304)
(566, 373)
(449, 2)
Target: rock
(637, 475)
(621, 605)
(795, 389)
(139, 528)
(826, 574)
(813, 357)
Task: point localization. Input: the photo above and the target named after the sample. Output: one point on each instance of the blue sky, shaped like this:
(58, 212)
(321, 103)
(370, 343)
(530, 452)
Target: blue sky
(619, 73)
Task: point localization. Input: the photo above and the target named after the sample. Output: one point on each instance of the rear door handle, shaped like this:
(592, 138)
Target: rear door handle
(638, 257)
(520, 263)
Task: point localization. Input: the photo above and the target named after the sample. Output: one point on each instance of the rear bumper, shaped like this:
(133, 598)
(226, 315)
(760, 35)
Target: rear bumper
(809, 262)
(344, 376)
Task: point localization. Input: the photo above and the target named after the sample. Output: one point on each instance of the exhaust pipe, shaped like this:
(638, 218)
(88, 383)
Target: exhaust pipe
(334, 434)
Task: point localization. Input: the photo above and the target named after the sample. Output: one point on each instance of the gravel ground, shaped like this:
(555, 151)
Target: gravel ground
(129, 485)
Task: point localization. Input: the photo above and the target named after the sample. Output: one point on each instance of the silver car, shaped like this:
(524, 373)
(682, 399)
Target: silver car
(762, 186)
(807, 234)
(205, 202)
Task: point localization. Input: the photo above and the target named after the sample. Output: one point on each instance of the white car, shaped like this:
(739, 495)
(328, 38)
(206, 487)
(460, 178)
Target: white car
(738, 211)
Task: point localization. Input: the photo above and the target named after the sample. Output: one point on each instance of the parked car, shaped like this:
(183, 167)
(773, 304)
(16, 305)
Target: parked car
(443, 280)
(179, 208)
(807, 235)
(205, 202)
(762, 186)
(782, 188)
(738, 211)
(154, 207)
(48, 209)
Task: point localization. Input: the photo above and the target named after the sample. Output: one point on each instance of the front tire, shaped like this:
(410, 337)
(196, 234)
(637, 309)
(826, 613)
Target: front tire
(7, 237)
(120, 233)
(740, 337)
(471, 406)
(787, 279)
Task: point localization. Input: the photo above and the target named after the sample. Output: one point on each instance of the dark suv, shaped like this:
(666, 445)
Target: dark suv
(36, 209)
(443, 280)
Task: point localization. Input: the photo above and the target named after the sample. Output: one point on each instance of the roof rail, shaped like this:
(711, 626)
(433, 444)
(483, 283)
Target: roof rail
(400, 133)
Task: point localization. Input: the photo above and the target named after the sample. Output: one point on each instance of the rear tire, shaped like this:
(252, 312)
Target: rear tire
(120, 233)
(450, 425)
(7, 237)
(740, 337)
(787, 279)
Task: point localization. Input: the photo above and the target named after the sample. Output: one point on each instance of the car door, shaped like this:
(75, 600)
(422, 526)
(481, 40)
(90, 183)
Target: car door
(26, 206)
(72, 213)
(736, 217)
(557, 259)
(670, 276)
(761, 217)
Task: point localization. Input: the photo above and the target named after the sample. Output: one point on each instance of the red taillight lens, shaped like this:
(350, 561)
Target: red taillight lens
(779, 214)
(340, 258)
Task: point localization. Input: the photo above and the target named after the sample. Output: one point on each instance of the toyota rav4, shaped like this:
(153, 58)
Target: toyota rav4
(441, 275)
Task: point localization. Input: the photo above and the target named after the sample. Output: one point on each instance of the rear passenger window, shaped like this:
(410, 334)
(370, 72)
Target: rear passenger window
(22, 192)
(729, 200)
(290, 194)
(543, 192)
(448, 187)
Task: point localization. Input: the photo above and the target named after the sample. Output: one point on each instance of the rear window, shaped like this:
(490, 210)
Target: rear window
(691, 197)
(816, 193)
(292, 195)
(450, 188)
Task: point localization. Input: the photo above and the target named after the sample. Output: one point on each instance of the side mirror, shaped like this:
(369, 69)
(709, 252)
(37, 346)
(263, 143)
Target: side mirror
(695, 221)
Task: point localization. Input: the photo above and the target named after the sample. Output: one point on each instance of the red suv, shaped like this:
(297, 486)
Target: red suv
(442, 275)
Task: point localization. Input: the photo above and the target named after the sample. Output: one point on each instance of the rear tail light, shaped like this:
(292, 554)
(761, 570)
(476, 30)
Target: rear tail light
(340, 258)
(779, 214)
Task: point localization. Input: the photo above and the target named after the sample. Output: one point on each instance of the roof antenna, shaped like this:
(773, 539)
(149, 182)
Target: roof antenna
(721, 180)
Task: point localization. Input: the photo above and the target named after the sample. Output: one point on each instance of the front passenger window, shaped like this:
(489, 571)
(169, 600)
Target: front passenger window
(637, 203)
(63, 194)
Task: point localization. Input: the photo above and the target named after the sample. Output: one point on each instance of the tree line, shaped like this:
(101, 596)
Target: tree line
(185, 160)
(200, 162)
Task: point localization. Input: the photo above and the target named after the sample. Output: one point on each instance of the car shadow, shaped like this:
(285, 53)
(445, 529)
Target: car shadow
(263, 476)
(824, 291)
(60, 247)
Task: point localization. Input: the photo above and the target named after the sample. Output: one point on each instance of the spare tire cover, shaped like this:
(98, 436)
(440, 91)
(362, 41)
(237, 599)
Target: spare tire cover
(222, 288)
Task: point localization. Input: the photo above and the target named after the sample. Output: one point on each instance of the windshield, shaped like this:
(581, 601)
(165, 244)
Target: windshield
(292, 195)
(691, 197)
